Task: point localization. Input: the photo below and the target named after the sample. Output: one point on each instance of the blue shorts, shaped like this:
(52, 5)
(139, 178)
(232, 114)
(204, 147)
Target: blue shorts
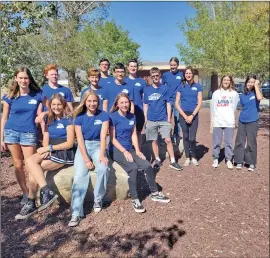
(14, 137)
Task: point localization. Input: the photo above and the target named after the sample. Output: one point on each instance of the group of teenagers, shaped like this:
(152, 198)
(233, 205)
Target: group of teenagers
(118, 108)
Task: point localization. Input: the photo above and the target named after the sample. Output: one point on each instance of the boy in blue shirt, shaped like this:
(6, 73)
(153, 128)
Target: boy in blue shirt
(119, 85)
(157, 112)
(94, 78)
(173, 79)
(105, 78)
(138, 87)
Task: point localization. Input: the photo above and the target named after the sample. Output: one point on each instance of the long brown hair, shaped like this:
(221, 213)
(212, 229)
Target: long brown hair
(120, 95)
(14, 88)
(232, 87)
(51, 115)
(82, 107)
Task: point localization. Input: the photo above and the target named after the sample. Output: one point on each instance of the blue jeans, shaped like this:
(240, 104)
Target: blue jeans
(15, 137)
(82, 178)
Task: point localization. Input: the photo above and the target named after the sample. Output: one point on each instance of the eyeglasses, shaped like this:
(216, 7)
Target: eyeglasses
(154, 76)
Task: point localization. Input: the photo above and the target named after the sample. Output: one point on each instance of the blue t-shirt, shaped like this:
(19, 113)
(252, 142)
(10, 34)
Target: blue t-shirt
(105, 82)
(23, 112)
(157, 99)
(189, 96)
(123, 129)
(91, 125)
(101, 92)
(64, 91)
(250, 108)
(138, 87)
(57, 129)
(172, 80)
(114, 89)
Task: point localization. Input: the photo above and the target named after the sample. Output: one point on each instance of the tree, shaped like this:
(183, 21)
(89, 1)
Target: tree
(228, 37)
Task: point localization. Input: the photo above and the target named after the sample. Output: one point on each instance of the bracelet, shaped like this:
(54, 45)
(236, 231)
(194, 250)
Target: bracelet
(124, 151)
(50, 147)
(193, 115)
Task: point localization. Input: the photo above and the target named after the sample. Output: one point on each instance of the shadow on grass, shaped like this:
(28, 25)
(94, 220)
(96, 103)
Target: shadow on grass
(43, 236)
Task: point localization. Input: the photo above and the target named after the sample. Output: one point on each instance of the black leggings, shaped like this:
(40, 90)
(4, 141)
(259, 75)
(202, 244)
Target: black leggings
(189, 134)
(132, 169)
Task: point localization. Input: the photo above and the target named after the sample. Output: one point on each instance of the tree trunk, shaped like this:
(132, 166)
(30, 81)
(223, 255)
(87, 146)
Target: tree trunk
(72, 82)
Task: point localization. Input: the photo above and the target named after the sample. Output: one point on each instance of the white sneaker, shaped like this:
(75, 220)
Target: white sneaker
(194, 162)
(229, 164)
(215, 163)
(187, 162)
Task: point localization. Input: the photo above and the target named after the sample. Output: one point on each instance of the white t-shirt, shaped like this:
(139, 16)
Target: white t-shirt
(223, 107)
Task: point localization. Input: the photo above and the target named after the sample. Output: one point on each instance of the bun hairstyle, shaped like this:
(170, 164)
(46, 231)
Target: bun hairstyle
(184, 81)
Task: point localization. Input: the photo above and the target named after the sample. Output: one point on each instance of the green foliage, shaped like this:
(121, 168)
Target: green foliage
(228, 37)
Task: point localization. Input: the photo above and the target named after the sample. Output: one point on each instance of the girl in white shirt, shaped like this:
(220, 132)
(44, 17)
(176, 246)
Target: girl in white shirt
(223, 106)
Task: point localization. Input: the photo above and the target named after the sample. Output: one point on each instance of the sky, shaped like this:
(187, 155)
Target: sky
(153, 25)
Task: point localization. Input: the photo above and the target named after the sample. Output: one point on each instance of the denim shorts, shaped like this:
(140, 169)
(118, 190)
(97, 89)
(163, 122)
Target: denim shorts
(15, 137)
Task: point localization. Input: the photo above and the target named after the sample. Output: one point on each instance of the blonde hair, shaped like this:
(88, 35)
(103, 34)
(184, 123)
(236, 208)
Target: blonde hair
(232, 87)
(82, 108)
(51, 115)
(14, 88)
(120, 95)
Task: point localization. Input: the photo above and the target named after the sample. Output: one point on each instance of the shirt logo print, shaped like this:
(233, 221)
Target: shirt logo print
(125, 91)
(131, 122)
(97, 122)
(137, 84)
(154, 96)
(32, 101)
(62, 94)
(178, 77)
(60, 126)
(100, 96)
(194, 88)
(253, 97)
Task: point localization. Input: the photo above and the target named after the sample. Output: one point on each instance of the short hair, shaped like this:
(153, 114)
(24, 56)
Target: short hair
(92, 71)
(175, 59)
(133, 61)
(119, 66)
(154, 70)
(50, 67)
(104, 60)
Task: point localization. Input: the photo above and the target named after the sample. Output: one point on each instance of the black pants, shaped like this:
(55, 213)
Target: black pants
(132, 169)
(189, 134)
(247, 132)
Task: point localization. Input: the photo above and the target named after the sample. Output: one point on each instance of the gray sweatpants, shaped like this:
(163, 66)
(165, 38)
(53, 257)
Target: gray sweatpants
(246, 135)
(228, 141)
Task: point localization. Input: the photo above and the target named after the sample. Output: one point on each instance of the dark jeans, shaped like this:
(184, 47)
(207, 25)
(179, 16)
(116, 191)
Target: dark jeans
(247, 132)
(132, 169)
(189, 134)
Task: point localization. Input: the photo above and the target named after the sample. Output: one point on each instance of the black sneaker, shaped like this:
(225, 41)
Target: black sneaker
(137, 206)
(28, 210)
(46, 199)
(160, 197)
(176, 166)
(157, 164)
(251, 168)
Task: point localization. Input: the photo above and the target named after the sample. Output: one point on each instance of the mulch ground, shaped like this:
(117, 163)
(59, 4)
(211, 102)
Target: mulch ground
(213, 213)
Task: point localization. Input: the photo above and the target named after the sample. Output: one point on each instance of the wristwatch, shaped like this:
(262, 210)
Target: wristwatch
(50, 147)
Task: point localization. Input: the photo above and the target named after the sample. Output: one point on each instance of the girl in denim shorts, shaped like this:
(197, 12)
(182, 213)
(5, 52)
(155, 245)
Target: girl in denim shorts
(18, 128)
(57, 150)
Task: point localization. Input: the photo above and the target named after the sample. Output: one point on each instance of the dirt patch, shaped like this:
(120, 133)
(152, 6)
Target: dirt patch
(213, 213)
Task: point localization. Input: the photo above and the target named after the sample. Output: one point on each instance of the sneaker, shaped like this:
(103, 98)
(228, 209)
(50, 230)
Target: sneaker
(239, 166)
(137, 206)
(187, 162)
(98, 206)
(176, 166)
(28, 210)
(160, 197)
(229, 164)
(251, 168)
(215, 163)
(47, 198)
(194, 162)
(75, 220)
(24, 199)
(157, 164)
